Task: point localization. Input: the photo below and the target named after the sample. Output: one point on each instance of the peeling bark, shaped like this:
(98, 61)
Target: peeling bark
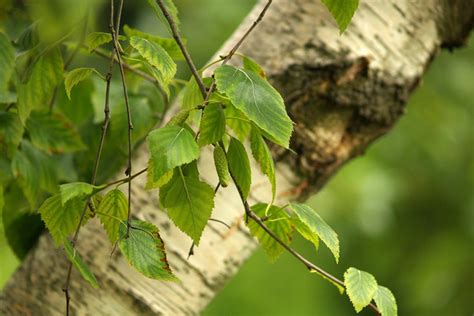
(343, 92)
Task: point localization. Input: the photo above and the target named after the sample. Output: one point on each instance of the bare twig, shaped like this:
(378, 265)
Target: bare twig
(128, 171)
(193, 245)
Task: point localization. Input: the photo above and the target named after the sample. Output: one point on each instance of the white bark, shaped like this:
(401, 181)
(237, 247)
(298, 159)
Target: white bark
(342, 91)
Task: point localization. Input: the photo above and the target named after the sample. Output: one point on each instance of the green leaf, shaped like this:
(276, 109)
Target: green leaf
(250, 64)
(170, 147)
(28, 38)
(278, 223)
(96, 39)
(361, 287)
(79, 264)
(192, 96)
(318, 226)
(189, 202)
(11, 132)
(34, 172)
(342, 11)
(305, 231)
(263, 156)
(170, 6)
(53, 133)
(75, 76)
(386, 302)
(239, 166)
(7, 65)
(79, 190)
(168, 44)
(37, 92)
(144, 250)
(2, 204)
(61, 220)
(156, 56)
(212, 125)
(238, 122)
(259, 101)
(112, 209)
(151, 183)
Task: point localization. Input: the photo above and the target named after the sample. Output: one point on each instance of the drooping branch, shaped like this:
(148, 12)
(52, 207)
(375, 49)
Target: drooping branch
(342, 92)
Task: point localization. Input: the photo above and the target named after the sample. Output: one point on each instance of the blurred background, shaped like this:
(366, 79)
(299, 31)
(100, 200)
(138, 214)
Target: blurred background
(404, 211)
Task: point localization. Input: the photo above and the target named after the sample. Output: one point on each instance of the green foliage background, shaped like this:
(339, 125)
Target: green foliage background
(404, 211)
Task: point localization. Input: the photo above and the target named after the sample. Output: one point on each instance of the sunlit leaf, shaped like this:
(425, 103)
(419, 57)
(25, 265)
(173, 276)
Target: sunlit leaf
(113, 209)
(318, 226)
(168, 44)
(79, 190)
(386, 302)
(361, 287)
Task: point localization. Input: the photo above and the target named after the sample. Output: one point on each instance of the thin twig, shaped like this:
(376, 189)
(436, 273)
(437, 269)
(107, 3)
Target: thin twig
(128, 172)
(179, 41)
(193, 245)
(105, 126)
(248, 211)
(139, 73)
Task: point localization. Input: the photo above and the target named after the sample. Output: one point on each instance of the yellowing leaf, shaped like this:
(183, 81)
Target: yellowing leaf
(156, 56)
(385, 301)
(360, 286)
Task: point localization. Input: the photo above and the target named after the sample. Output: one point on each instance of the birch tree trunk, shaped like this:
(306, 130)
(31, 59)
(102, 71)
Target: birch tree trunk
(343, 92)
